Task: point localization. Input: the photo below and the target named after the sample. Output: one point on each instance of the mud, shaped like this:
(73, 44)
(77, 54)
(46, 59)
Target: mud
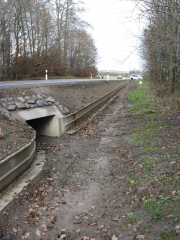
(83, 190)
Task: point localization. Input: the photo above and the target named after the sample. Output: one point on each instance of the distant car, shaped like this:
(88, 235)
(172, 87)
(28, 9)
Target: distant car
(98, 76)
(140, 77)
(135, 77)
(119, 77)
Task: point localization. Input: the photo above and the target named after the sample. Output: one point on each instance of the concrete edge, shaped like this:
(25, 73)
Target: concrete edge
(20, 150)
(16, 164)
(16, 187)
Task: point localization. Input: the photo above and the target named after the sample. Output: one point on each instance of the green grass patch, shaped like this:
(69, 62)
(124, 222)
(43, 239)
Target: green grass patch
(132, 218)
(156, 206)
(123, 227)
(147, 130)
(143, 100)
(165, 235)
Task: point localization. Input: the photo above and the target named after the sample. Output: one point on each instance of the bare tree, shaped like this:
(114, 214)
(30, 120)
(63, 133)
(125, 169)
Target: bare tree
(35, 40)
(160, 43)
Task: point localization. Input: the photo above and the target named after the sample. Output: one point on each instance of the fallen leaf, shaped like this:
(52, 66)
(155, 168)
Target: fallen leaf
(140, 166)
(102, 226)
(25, 235)
(173, 193)
(114, 237)
(93, 224)
(5, 213)
(177, 227)
(52, 219)
(85, 238)
(63, 236)
(15, 230)
(77, 222)
(44, 228)
(138, 237)
(38, 232)
(78, 230)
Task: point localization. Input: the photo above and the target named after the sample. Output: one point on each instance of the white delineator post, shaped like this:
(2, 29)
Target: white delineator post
(107, 75)
(46, 76)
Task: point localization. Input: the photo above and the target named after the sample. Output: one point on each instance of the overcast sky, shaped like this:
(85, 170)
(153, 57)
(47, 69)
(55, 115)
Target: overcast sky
(114, 33)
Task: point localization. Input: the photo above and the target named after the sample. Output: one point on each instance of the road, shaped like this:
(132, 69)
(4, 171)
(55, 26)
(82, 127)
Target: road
(32, 82)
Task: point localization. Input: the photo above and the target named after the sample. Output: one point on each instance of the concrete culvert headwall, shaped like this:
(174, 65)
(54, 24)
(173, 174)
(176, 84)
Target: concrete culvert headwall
(46, 120)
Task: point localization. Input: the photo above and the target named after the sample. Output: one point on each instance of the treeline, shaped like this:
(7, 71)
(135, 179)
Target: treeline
(44, 34)
(161, 43)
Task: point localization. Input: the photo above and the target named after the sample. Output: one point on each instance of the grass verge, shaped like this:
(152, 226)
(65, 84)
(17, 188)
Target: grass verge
(159, 165)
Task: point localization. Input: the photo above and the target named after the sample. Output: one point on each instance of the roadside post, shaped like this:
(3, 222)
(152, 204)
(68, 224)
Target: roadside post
(91, 75)
(46, 76)
(107, 75)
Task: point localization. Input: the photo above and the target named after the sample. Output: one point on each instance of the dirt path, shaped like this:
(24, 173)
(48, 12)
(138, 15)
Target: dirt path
(85, 190)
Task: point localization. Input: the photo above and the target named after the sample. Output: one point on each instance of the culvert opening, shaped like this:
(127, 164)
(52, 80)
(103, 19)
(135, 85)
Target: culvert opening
(44, 125)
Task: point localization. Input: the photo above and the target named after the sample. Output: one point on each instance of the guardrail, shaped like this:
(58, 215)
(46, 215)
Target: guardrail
(72, 119)
(16, 164)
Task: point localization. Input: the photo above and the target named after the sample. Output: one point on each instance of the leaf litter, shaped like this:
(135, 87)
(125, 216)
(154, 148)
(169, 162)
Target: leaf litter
(129, 183)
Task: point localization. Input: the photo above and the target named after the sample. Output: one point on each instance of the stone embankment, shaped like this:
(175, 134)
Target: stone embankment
(28, 102)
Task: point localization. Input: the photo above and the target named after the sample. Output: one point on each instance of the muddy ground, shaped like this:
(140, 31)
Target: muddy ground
(94, 183)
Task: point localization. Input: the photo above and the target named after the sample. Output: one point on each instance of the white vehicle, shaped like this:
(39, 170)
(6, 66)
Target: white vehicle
(140, 77)
(135, 77)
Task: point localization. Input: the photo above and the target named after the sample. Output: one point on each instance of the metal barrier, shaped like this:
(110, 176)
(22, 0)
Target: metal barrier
(72, 119)
(16, 164)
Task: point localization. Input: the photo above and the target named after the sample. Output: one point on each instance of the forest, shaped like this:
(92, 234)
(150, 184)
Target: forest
(36, 35)
(160, 47)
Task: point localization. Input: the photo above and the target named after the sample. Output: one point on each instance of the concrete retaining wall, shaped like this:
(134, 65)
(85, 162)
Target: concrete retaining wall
(16, 164)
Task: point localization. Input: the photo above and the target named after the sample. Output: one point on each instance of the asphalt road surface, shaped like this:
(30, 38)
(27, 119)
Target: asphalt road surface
(33, 82)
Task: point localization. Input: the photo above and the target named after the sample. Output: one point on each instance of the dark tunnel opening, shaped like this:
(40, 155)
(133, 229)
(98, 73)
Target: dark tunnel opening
(41, 125)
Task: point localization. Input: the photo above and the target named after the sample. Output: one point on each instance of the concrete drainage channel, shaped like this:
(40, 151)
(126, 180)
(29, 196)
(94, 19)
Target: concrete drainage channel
(15, 165)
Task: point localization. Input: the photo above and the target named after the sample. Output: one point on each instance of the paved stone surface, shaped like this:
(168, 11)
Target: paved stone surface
(31, 101)
(40, 103)
(21, 99)
(11, 107)
(20, 105)
(26, 102)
